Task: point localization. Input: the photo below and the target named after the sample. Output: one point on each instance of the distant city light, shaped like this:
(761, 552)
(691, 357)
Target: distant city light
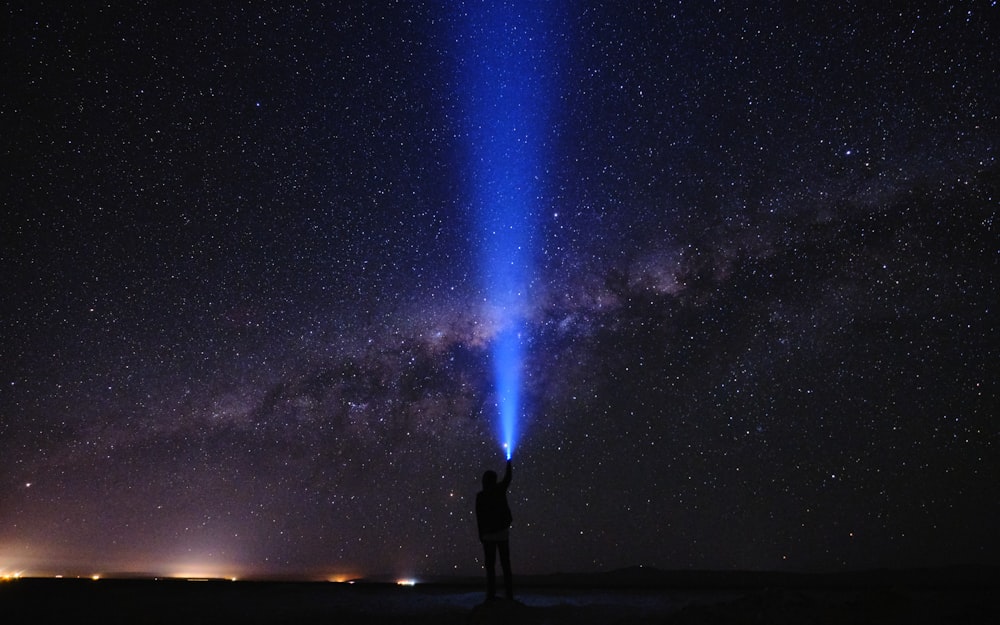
(406, 582)
(343, 578)
(204, 572)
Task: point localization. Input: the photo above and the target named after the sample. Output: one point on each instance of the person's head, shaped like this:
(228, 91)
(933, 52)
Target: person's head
(489, 479)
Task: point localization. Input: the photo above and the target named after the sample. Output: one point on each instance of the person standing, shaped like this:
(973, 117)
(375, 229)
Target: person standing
(494, 519)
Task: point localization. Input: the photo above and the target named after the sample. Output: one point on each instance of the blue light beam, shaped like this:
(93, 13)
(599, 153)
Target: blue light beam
(506, 59)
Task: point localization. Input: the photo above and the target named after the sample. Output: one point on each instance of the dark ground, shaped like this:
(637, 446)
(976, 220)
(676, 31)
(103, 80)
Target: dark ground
(940, 596)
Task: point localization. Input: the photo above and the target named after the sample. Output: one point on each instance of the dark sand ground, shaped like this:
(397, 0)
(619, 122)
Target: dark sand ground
(671, 599)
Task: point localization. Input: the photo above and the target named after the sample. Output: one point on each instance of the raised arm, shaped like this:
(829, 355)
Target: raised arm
(506, 477)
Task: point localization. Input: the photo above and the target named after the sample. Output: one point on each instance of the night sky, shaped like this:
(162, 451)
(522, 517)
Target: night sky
(245, 318)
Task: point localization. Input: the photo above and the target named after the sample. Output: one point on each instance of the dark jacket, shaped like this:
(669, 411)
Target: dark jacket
(492, 511)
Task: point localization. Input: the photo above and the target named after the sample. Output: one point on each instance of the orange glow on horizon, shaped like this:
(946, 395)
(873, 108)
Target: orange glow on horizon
(195, 575)
(343, 578)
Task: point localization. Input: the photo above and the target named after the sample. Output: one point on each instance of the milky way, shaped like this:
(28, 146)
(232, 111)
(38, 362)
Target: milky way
(243, 322)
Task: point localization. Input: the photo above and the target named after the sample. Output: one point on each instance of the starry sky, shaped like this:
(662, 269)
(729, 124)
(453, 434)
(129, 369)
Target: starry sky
(244, 326)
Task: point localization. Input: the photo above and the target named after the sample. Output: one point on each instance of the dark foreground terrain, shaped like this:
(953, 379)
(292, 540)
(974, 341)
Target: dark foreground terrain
(634, 596)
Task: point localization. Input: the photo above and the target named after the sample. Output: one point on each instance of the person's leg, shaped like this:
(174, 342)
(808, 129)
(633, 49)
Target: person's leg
(508, 577)
(490, 551)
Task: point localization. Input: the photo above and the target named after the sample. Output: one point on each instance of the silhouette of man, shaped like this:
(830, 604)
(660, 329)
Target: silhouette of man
(493, 518)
